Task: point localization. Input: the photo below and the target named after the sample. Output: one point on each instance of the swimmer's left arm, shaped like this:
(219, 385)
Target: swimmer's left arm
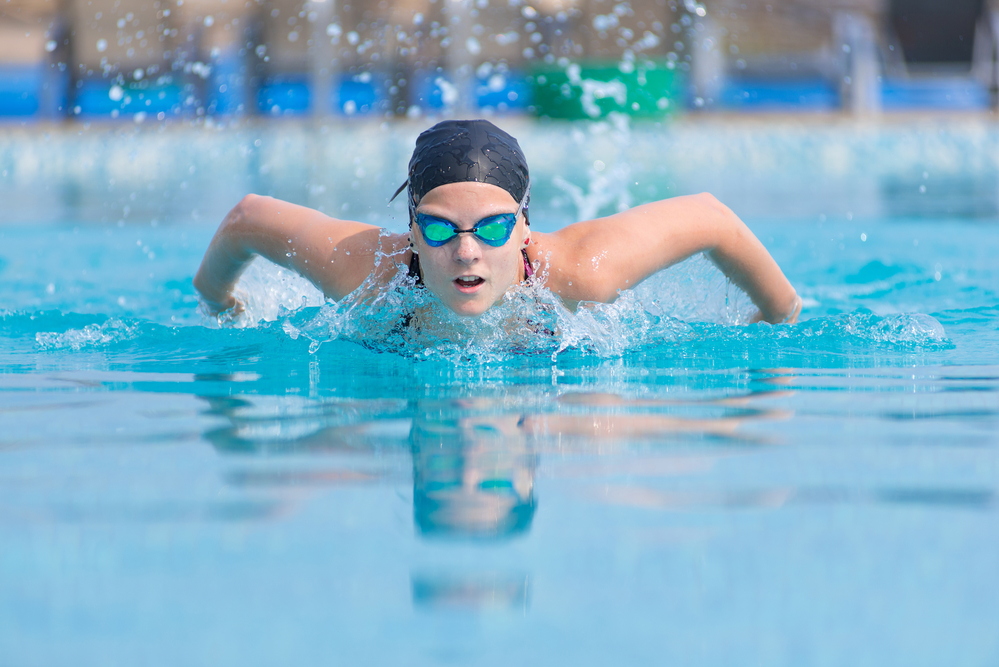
(596, 259)
(335, 255)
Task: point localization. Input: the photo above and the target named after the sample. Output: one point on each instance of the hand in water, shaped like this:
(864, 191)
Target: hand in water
(225, 314)
(790, 319)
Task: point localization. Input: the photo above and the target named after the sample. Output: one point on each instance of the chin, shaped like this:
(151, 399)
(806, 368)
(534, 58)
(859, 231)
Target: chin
(468, 308)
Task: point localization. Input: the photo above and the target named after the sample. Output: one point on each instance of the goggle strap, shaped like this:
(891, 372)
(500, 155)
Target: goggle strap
(401, 188)
(522, 207)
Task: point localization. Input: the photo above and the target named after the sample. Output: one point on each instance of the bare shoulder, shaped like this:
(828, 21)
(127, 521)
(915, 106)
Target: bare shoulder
(348, 260)
(595, 259)
(335, 255)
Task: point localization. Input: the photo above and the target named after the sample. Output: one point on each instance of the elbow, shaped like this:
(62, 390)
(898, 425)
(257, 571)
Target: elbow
(245, 216)
(244, 210)
(713, 209)
(708, 200)
(236, 231)
(250, 201)
(723, 228)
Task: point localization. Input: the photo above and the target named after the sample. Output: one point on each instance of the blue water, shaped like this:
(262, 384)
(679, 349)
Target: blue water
(655, 484)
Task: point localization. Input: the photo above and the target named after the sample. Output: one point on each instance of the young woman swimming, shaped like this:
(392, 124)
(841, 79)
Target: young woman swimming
(469, 238)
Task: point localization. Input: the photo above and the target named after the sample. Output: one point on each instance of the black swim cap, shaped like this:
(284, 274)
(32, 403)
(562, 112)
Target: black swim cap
(455, 151)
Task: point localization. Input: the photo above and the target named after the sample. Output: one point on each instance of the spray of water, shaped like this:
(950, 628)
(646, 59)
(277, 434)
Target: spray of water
(402, 318)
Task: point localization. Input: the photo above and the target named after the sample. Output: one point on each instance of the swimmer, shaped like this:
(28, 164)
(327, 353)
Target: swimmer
(469, 237)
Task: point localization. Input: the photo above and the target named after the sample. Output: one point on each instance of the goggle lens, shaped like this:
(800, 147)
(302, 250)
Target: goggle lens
(494, 231)
(438, 232)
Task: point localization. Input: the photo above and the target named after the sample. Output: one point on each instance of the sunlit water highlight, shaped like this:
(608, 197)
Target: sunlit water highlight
(653, 481)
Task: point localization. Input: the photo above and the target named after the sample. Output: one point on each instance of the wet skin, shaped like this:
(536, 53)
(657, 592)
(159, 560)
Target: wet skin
(467, 275)
(470, 276)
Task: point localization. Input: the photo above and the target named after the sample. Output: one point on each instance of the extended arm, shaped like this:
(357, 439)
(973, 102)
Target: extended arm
(335, 255)
(593, 260)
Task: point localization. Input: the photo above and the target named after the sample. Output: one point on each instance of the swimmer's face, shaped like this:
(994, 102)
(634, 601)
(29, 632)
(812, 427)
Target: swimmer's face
(470, 276)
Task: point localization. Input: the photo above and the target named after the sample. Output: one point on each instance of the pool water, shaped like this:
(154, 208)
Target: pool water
(656, 483)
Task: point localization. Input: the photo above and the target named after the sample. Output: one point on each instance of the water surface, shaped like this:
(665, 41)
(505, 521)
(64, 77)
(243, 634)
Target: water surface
(656, 483)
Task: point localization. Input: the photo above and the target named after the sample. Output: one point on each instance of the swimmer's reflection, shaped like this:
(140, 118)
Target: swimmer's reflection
(473, 461)
(471, 591)
(473, 473)
(472, 477)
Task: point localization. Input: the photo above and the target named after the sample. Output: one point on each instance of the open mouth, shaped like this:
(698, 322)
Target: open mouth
(468, 283)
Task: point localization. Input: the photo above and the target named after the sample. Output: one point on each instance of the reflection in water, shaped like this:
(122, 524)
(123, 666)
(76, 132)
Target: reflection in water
(471, 591)
(473, 459)
(632, 496)
(155, 511)
(472, 477)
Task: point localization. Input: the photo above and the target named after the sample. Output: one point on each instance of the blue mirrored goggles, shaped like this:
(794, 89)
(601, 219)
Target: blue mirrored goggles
(494, 230)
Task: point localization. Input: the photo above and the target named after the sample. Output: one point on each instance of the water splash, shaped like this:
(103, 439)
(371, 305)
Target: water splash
(900, 329)
(608, 178)
(93, 335)
(691, 303)
(266, 292)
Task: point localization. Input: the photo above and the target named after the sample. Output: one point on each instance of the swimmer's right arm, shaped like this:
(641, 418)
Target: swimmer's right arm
(594, 260)
(335, 255)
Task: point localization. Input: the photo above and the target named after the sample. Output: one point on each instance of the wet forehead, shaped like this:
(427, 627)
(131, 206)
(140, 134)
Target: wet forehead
(467, 203)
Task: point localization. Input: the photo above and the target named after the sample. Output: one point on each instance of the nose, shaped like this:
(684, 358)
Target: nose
(468, 250)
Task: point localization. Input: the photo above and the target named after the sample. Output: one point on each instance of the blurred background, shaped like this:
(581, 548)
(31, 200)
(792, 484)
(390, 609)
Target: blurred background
(149, 111)
(182, 59)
